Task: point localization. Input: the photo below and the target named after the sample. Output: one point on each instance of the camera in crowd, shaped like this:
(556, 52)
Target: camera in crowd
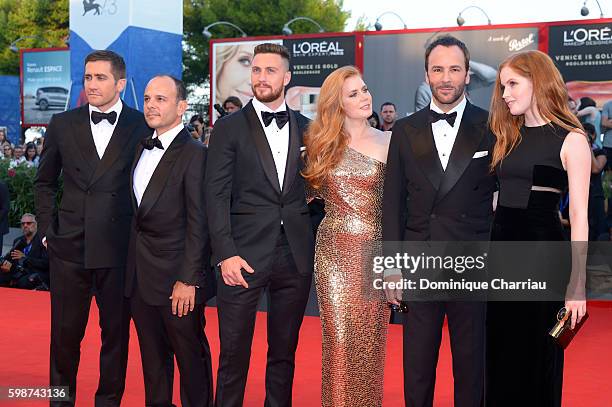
(16, 268)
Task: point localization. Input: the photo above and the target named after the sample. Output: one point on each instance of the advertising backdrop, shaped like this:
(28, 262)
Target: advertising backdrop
(312, 59)
(394, 64)
(45, 84)
(146, 33)
(583, 54)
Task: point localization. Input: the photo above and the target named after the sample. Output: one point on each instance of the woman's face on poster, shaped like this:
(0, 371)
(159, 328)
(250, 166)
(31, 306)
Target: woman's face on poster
(235, 76)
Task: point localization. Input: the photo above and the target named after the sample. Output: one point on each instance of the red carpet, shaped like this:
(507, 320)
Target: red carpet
(24, 344)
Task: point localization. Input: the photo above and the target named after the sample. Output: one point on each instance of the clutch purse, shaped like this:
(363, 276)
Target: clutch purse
(562, 333)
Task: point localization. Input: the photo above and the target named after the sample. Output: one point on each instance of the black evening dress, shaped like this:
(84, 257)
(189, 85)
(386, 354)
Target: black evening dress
(524, 366)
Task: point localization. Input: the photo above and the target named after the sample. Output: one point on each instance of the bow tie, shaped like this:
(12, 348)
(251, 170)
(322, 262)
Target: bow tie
(281, 118)
(149, 143)
(450, 117)
(97, 117)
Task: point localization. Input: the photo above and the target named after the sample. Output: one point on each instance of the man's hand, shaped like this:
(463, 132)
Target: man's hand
(17, 254)
(5, 267)
(394, 295)
(183, 298)
(231, 271)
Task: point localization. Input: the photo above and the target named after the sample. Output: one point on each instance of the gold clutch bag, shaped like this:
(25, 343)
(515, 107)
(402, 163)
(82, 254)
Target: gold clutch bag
(562, 333)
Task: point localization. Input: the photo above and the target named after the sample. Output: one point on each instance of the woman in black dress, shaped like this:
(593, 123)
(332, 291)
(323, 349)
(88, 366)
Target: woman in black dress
(540, 150)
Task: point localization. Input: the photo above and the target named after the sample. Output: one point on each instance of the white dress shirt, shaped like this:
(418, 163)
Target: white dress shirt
(444, 134)
(103, 131)
(278, 139)
(149, 159)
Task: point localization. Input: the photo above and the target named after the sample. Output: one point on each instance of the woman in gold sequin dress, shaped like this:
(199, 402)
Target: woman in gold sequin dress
(345, 166)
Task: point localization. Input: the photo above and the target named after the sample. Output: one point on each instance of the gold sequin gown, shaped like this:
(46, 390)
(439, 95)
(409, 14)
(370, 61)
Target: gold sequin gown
(354, 316)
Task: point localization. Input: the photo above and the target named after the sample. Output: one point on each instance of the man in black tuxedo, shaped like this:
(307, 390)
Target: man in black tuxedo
(260, 230)
(169, 251)
(92, 147)
(438, 187)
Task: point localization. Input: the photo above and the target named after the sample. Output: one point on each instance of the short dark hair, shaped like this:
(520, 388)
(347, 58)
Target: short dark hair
(586, 102)
(448, 41)
(233, 100)
(270, 48)
(196, 118)
(181, 90)
(387, 104)
(116, 61)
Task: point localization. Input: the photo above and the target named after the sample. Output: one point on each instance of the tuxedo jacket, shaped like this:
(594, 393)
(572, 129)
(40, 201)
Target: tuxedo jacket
(422, 201)
(169, 235)
(245, 203)
(92, 223)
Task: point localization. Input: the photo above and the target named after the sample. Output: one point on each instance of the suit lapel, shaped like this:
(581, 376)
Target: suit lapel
(262, 146)
(160, 175)
(424, 149)
(84, 138)
(293, 155)
(119, 139)
(139, 148)
(468, 139)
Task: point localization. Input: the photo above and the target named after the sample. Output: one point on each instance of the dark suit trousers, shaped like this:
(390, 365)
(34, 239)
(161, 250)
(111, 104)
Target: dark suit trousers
(162, 335)
(72, 287)
(422, 336)
(237, 308)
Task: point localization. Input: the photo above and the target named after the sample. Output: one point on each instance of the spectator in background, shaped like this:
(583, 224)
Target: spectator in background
(232, 104)
(39, 145)
(589, 113)
(197, 123)
(2, 135)
(18, 156)
(573, 106)
(374, 120)
(596, 212)
(388, 115)
(31, 155)
(5, 206)
(26, 265)
(7, 149)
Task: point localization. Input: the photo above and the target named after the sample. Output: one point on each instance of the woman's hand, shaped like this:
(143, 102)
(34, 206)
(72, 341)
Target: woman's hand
(577, 309)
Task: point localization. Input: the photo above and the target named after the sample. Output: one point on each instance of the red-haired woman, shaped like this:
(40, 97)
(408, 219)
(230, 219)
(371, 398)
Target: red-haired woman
(345, 166)
(540, 150)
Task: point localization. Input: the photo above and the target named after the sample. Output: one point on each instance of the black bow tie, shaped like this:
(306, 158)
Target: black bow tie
(281, 118)
(449, 117)
(97, 117)
(149, 143)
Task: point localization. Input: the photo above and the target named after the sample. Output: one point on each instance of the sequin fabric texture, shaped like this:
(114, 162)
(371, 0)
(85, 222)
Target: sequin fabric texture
(354, 316)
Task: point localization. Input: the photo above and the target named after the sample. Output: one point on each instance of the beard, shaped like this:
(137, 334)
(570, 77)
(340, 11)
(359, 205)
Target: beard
(269, 97)
(447, 99)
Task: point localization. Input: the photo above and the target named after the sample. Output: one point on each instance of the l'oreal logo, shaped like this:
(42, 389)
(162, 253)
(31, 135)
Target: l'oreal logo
(319, 48)
(594, 36)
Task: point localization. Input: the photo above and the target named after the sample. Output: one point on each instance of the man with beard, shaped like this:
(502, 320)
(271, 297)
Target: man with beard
(438, 187)
(260, 230)
(388, 116)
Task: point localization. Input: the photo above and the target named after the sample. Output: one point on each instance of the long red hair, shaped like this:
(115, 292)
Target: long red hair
(325, 140)
(549, 94)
